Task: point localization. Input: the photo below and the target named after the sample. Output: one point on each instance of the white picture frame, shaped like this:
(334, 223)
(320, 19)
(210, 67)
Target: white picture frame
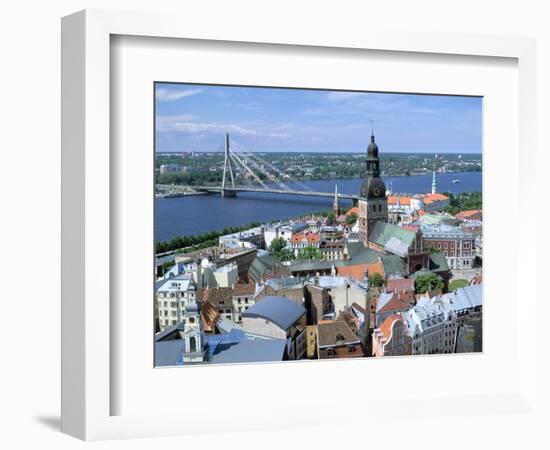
(88, 322)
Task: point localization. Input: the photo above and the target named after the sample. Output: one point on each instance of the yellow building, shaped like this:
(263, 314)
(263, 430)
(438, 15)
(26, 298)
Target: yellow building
(311, 336)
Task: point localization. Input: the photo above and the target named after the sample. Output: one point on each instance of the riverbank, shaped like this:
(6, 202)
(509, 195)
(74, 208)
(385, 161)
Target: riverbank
(194, 215)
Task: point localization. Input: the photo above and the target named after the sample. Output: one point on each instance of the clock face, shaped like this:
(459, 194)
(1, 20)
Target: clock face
(376, 191)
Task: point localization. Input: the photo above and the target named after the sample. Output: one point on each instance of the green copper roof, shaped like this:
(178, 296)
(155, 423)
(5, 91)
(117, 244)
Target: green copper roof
(383, 232)
(393, 265)
(359, 254)
(438, 262)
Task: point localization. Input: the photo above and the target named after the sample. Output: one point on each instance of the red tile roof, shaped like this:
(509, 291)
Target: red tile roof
(400, 284)
(308, 236)
(469, 214)
(403, 201)
(357, 271)
(354, 210)
(244, 289)
(430, 198)
(387, 325)
(399, 302)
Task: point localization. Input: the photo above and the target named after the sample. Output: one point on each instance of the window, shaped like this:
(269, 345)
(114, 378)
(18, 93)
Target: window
(445, 245)
(191, 320)
(439, 245)
(239, 301)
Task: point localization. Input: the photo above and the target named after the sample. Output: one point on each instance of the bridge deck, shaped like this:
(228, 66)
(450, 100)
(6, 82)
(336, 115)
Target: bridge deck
(275, 191)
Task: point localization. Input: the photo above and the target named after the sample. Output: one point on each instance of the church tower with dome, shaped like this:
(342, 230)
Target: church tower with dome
(195, 345)
(373, 203)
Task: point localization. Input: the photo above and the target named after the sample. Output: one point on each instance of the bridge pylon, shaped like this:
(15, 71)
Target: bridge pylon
(227, 167)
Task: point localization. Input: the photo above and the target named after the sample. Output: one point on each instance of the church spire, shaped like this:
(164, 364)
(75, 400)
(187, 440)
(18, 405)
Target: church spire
(434, 183)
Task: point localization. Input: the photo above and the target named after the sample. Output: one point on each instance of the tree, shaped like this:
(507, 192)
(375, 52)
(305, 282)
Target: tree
(310, 253)
(429, 281)
(277, 246)
(351, 218)
(376, 280)
(286, 254)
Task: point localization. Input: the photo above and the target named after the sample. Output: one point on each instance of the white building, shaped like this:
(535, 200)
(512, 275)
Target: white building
(172, 296)
(206, 274)
(173, 168)
(433, 328)
(245, 239)
(433, 323)
(282, 230)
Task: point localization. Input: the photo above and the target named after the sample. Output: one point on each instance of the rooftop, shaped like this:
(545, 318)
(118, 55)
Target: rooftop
(334, 333)
(387, 326)
(398, 284)
(249, 350)
(445, 231)
(279, 310)
(384, 232)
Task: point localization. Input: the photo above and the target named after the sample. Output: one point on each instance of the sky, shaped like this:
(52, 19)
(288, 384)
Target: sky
(192, 117)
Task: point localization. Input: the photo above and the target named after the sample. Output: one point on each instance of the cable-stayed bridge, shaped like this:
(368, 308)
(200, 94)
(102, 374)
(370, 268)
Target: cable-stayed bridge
(249, 163)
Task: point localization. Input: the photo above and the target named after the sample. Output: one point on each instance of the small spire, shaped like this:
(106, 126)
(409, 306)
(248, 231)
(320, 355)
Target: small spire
(371, 131)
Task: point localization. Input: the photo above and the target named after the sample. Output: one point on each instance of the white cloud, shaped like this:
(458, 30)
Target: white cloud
(185, 124)
(338, 96)
(170, 95)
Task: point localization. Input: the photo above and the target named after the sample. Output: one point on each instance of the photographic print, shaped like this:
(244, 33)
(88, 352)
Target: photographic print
(304, 224)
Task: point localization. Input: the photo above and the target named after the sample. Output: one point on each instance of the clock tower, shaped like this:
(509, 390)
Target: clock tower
(373, 203)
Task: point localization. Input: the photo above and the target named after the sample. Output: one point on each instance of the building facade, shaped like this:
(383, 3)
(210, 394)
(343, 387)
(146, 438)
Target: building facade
(392, 338)
(172, 296)
(458, 246)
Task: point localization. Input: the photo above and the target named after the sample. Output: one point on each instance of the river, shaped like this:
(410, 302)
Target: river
(201, 213)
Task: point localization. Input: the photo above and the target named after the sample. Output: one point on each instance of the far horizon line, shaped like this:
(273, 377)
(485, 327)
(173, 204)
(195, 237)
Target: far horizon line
(327, 151)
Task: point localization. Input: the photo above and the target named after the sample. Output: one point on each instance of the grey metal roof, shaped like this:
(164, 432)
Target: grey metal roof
(445, 232)
(279, 310)
(250, 350)
(397, 247)
(465, 298)
(167, 353)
